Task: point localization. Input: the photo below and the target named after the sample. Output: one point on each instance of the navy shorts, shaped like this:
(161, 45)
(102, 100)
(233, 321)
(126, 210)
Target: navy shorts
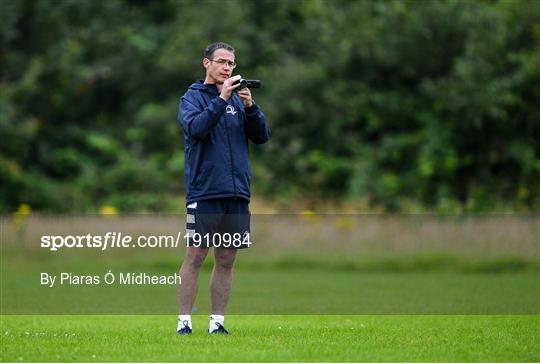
(219, 223)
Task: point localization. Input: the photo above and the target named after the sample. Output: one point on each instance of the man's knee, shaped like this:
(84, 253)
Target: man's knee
(225, 258)
(194, 258)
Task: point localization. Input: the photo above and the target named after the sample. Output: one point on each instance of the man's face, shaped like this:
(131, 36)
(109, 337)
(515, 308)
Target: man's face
(218, 68)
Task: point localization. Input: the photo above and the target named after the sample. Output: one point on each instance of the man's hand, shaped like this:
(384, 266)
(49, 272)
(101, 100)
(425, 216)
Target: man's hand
(228, 87)
(245, 95)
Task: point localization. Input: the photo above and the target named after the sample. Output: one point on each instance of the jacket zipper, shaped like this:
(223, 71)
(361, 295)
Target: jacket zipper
(230, 154)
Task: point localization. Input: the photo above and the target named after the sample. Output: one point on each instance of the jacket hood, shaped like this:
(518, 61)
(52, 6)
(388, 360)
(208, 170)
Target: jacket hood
(201, 86)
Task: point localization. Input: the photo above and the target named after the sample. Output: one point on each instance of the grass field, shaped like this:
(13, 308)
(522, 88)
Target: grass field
(405, 289)
(273, 338)
(292, 288)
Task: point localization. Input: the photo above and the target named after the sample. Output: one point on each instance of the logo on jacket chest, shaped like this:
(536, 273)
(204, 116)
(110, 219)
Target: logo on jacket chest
(230, 110)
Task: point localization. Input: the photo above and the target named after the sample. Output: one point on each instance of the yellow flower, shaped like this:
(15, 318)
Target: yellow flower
(20, 215)
(24, 209)
(108, 210)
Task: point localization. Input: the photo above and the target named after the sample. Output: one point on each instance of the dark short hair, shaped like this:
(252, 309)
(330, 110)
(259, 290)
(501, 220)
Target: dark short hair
(209, 51)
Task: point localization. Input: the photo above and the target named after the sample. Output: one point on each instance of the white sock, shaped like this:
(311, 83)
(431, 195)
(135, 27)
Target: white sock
(214, 320)
(184, 320)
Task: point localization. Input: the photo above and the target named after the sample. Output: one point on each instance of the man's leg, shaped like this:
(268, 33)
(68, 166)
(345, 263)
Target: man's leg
(222, 275)
(187, 291)
(220, 288)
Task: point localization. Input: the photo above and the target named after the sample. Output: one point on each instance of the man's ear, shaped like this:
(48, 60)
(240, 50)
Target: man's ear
(205, 62)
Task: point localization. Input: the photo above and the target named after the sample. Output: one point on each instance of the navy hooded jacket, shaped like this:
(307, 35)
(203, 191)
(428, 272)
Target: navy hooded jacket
(216, 134)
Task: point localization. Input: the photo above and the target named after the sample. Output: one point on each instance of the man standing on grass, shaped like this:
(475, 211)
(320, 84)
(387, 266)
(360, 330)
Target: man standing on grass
(218, 117)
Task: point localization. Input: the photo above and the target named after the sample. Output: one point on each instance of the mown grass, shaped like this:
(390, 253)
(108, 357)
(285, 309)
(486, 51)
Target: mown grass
(308, 338)
(429, 284)
(302, 294)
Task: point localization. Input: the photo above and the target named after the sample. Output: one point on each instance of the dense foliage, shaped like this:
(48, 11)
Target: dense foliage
(404, 104)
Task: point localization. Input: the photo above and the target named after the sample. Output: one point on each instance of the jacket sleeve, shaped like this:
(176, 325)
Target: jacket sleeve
(198, 122)
(256, 128)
